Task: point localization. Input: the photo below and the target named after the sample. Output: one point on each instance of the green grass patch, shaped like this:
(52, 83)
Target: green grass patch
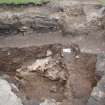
(102, 1)
(23, 1)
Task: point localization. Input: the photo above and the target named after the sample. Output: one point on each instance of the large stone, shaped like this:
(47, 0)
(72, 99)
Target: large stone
(44, 24)
(7, 97)
(98, 94)
(100, 65)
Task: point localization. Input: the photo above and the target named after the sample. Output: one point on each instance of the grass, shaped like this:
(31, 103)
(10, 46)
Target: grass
(102, 1)
(22, 1)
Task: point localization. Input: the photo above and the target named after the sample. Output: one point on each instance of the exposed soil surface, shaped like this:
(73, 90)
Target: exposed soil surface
(46, 72)
(38, 54)
(93, 42)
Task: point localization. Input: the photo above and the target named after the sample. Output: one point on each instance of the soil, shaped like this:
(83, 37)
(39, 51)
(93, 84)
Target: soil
(93, 43)
(73, 81)
(18, 51)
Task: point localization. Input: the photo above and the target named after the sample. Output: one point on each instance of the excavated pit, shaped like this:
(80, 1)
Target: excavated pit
(39, 59)
(58, 72)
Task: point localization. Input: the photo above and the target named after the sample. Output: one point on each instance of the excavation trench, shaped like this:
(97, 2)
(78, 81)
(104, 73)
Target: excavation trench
(45, 72)
(55, 71)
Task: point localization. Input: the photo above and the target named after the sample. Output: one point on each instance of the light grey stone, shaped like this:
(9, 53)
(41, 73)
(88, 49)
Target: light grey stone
(7, 97)
(98, 94)
(100, 65)
(50, 102)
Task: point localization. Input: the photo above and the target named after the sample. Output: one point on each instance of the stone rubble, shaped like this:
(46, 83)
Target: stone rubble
(48, 66)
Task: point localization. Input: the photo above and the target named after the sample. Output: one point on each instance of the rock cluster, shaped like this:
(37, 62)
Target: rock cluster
(26, 23)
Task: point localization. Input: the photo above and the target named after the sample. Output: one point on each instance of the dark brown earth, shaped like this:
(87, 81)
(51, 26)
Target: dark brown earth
(75, 84)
